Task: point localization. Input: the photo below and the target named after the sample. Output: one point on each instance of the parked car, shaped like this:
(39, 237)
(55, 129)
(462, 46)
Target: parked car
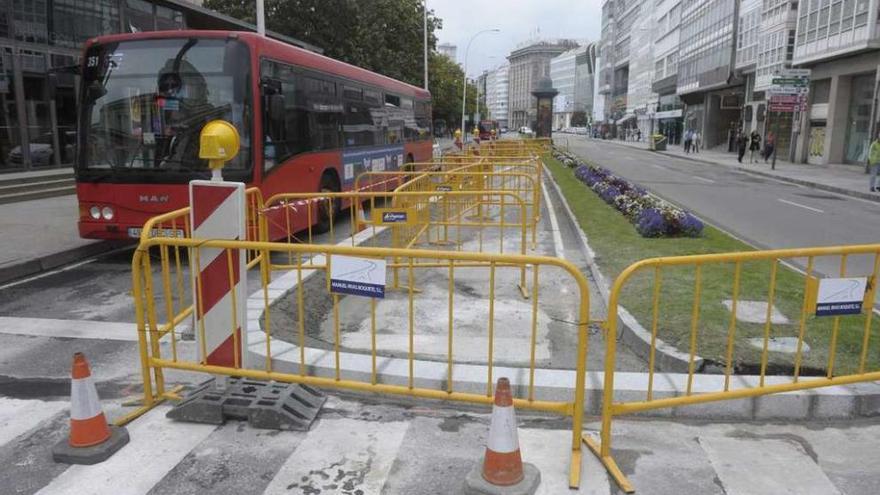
(42, 154)
(525, 130)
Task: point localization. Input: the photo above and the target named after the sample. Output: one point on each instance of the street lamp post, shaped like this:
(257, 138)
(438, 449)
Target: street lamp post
(464, 80)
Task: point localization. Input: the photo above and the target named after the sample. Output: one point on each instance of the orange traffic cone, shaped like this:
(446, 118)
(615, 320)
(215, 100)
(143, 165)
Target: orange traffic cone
(91, 439)
(502, 469)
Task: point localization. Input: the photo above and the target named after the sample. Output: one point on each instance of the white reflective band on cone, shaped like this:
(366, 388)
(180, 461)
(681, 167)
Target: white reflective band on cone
(502, 431)
(84, 402)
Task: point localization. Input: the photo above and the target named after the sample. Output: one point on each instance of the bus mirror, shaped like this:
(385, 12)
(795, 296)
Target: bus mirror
(276, 108)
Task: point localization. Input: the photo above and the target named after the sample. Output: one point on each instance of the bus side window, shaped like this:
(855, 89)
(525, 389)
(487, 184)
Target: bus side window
(357, 125)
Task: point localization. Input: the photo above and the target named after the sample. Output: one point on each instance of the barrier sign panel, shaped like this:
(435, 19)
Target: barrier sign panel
(357, 276)
(218, 212)
(841, 296)
(393, 216)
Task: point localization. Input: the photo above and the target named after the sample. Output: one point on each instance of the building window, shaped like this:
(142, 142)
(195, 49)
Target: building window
(75, 21)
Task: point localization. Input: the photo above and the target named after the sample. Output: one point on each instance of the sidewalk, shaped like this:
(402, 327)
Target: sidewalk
(839, 178)
(41, 234)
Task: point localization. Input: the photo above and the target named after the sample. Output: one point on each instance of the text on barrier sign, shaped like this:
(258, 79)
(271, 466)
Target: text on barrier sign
(393, 216)
(357, 276)
(839, 296)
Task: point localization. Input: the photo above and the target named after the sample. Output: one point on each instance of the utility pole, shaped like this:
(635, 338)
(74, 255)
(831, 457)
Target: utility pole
(261, 18)
(425, 26)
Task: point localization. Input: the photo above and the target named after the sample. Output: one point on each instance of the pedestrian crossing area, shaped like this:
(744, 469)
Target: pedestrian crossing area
(358, 448)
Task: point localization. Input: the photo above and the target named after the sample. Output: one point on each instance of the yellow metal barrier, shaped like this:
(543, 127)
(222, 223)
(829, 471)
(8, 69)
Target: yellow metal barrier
(523, 179)
(453, 265)
(750, 274)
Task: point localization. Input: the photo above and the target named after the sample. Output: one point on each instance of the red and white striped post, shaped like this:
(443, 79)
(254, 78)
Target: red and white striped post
(218, 210)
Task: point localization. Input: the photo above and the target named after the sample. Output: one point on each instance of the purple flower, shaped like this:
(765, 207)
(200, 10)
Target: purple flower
(690, 225)
(650, 223)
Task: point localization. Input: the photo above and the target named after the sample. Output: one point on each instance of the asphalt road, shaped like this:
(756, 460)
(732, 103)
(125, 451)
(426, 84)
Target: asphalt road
(764, 212)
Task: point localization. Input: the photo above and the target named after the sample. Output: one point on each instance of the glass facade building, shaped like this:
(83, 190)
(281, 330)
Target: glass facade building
(40, 47)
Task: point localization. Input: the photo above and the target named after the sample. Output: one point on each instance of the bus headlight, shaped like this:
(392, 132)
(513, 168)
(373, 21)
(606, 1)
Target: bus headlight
(95, 212)
(107, 213)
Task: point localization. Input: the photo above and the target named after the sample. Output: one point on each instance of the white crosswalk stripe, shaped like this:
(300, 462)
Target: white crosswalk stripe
(157, 445)
(18, 416)
(358, 449)
(343, 455)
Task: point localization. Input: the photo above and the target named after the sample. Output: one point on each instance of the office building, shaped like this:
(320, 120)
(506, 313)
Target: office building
(528, 65)
(572, 75)
(706, 82)
(667, 116)
(449, 50)
(496, 94)
(41, 46)
(839, 41)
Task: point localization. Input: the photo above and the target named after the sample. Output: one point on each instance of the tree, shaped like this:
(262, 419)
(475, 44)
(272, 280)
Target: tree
(578, 119)
(383, 36)
(444, 81)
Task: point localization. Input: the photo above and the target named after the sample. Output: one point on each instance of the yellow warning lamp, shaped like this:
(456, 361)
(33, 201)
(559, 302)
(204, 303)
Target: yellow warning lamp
(218, 143)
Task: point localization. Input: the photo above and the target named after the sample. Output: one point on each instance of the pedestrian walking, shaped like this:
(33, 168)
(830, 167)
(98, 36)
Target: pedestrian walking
(769, 146)
(874, 162)
(754, 145)
(639, 135)
(742, 142)
(698, 141)
(688, 140)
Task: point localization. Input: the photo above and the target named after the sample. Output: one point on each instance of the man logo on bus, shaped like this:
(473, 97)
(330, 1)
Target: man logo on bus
(394, 217)
(146, 198)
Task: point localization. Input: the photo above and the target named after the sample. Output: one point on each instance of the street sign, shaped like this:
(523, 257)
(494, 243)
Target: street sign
(784, 108)
(789, 90)
(790, 81)
(795, 73)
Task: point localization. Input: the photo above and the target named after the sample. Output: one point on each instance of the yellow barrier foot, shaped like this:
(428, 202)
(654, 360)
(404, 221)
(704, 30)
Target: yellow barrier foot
(523, 290)
(443, 243)
(574, 471)
(610, 464)
(144, 408)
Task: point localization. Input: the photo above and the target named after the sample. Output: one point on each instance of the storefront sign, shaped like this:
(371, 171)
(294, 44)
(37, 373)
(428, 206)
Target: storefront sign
(668, 114)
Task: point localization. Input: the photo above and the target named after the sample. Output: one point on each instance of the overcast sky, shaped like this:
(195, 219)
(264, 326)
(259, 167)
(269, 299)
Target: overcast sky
(517, 20)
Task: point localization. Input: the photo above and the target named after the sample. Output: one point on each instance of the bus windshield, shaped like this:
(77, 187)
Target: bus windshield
(145, 102)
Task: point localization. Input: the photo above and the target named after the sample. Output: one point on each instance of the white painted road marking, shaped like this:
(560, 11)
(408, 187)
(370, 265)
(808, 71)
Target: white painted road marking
(364, 456)
(157, 445)
(792, 203)
(658, 167)
(779, 467)
(558, 247)
(18, 416)
(707, 181)
(74, 329)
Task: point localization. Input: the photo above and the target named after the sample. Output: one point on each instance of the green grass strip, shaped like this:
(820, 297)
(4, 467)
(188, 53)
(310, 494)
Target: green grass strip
(617, 245)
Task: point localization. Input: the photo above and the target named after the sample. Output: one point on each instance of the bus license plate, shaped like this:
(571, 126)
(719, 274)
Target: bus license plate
(135, 232)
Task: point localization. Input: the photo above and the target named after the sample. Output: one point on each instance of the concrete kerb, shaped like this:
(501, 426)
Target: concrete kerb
(632, 333)
(555, 384)
(55, 260)
(792, 180)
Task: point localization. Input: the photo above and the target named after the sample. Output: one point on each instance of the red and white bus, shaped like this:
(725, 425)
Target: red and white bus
(307, 123)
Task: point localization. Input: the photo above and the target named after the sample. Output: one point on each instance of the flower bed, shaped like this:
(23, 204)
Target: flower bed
(651, 216)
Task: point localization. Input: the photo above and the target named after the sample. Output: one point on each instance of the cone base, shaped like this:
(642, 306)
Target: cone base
(475, 484)
(63, 452)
